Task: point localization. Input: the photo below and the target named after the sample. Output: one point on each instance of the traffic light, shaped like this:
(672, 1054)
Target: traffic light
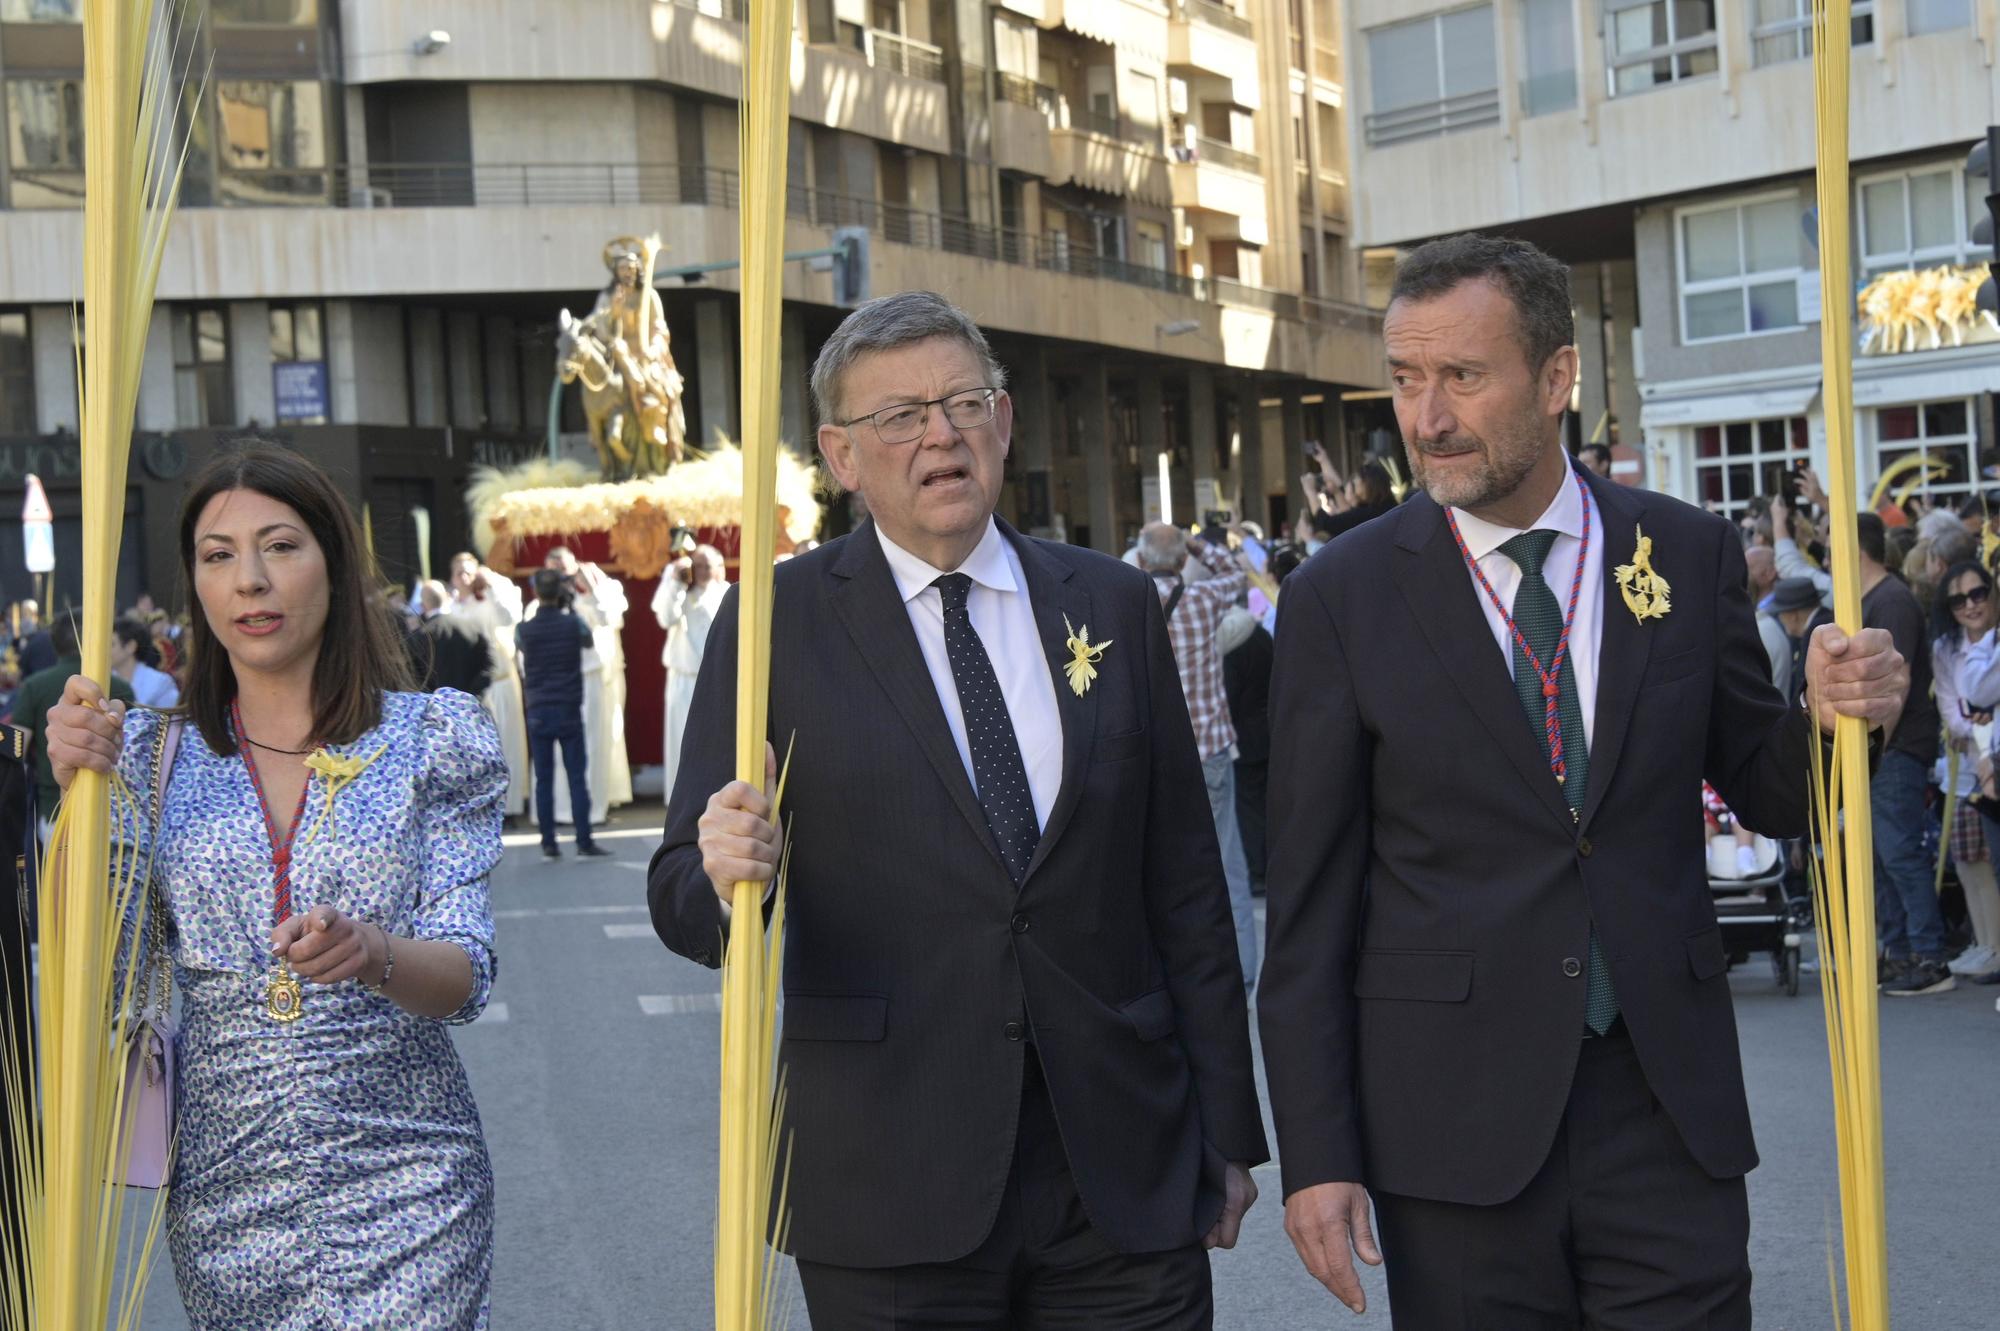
(1979, 165)
(850, 265)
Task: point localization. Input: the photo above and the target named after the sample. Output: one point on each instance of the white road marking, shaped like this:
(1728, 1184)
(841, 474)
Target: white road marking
(494, 1012)
(672, 1005)
(628, 931)
(568, 910)
(602, 834)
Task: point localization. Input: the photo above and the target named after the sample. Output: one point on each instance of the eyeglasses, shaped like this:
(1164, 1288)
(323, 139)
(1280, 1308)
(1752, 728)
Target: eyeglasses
(1971, 596)
(907, 421)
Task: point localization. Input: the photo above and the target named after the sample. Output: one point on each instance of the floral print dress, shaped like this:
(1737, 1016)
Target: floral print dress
(331, 1173)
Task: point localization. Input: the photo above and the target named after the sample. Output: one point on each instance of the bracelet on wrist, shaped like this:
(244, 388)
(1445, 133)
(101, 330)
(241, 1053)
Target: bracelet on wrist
(388, 962)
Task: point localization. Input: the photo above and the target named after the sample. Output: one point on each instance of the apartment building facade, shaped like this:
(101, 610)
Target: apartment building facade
(1665, 148)
(388, 201)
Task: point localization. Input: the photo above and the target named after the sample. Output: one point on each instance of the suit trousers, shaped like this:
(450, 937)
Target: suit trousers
(548, 727)
(1620, 1229)
(1042, 1267)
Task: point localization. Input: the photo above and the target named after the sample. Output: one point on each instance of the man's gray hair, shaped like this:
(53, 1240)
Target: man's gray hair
(888, 322)
(1162, 548)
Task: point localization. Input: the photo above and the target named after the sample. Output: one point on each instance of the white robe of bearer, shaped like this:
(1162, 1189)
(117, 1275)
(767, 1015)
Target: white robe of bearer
(496, 617)
(687, 617)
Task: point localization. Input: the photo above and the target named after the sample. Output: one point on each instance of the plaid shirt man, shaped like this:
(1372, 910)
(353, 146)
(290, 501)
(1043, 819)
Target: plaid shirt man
(1191, 629)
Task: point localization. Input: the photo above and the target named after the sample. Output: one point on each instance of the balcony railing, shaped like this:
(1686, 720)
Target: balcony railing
(1430, 118)
(1097, 122)
(1226, 154)
(1218, 16)
(1023, 91)
(397, 185)
(915, 59)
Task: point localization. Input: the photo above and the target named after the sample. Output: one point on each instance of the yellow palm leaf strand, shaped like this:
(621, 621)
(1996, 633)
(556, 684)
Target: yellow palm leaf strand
(1847, 960)
(135, 59)
(743, 1197)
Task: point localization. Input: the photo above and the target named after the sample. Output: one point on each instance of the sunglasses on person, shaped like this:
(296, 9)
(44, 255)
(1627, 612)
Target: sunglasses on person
(1957, 601)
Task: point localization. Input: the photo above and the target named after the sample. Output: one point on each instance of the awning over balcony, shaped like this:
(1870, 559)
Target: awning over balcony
(1763, 395)
(1926, 376)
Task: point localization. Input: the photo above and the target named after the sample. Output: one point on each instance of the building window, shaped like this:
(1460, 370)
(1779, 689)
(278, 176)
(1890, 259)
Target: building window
(265, 13)
(45, 142)
(1149, 244)
(1937, 15)
(273, 141)
(1655, 42)
(17, 374)
(1781, 30)
(38, 11)
(1919, 219)
(1739, 268)
(1548, 51)
(1432, 75)
(1943, 431)
(203, 391)
(1735, 463)
(298, 364)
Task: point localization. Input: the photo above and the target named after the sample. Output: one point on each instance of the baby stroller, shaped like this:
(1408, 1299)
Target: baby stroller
(1757, 896)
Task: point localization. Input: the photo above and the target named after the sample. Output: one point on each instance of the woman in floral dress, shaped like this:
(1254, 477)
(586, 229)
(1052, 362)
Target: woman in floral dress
(322, 850)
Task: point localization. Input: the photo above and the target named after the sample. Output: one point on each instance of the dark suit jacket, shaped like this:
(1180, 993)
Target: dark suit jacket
(1430, 891)
(913, 966)
(446, 654)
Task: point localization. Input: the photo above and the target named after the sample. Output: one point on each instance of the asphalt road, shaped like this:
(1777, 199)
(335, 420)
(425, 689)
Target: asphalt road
(596, 1068)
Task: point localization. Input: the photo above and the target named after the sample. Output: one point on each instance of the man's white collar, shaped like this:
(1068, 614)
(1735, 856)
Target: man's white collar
(987, 565)
(1564, 514)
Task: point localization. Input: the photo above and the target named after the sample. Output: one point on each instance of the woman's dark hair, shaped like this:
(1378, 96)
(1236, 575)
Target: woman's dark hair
(1944, 624)
(140, 635)
(1373, 478)
(361, 655)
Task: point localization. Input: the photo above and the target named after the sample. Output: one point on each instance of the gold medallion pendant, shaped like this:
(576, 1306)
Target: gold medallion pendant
(283, 997)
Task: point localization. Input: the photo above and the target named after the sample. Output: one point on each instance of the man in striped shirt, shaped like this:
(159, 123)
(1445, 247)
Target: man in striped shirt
(1194, 610)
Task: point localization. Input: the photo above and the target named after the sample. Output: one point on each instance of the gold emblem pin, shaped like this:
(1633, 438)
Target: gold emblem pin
(1646, 592)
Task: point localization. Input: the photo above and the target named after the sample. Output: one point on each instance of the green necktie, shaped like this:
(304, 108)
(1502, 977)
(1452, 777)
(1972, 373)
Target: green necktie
(1539, 617)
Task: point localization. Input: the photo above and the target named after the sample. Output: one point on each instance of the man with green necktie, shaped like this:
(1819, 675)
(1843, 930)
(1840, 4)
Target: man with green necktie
(1495, 994)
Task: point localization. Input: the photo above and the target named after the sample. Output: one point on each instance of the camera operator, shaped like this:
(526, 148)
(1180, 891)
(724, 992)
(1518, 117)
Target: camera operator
(551, 647)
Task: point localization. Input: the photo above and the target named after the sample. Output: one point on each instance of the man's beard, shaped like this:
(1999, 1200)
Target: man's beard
(1504, 470)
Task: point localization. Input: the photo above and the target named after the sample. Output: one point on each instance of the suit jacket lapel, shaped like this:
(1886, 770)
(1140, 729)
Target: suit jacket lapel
(865, 595)
(1054, 592)
(1443, 600)
(1623, 645)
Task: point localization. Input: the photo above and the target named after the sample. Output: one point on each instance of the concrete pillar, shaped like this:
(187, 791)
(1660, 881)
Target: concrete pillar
(503, 386)
(1624, 374)
(467, 370)
(342, 386)
(715, 372)
(1201, 441)
(1291, 461)
(1152, 440)
(1248, 451)
(250, 362)
(52, 339)
(1094, 420)
(157, 410)
(427, 376)
(795, 420)
(1034, 445)
(1586, 291)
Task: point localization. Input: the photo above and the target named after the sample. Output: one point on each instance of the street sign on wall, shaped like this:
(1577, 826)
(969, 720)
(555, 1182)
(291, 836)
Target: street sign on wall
(299, 388)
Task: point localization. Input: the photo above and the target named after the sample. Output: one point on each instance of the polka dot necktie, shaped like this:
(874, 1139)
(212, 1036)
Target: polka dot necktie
(1540, 618)
(997, 769)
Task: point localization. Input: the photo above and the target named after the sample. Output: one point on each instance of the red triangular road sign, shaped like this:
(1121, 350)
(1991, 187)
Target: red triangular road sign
(36, 509)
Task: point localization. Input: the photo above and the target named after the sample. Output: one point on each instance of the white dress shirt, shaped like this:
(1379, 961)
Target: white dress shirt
(1004, 619)
(1564, 515)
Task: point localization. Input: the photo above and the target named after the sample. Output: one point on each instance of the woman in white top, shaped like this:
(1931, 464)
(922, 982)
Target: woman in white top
(132, 655)
(1965, 673)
